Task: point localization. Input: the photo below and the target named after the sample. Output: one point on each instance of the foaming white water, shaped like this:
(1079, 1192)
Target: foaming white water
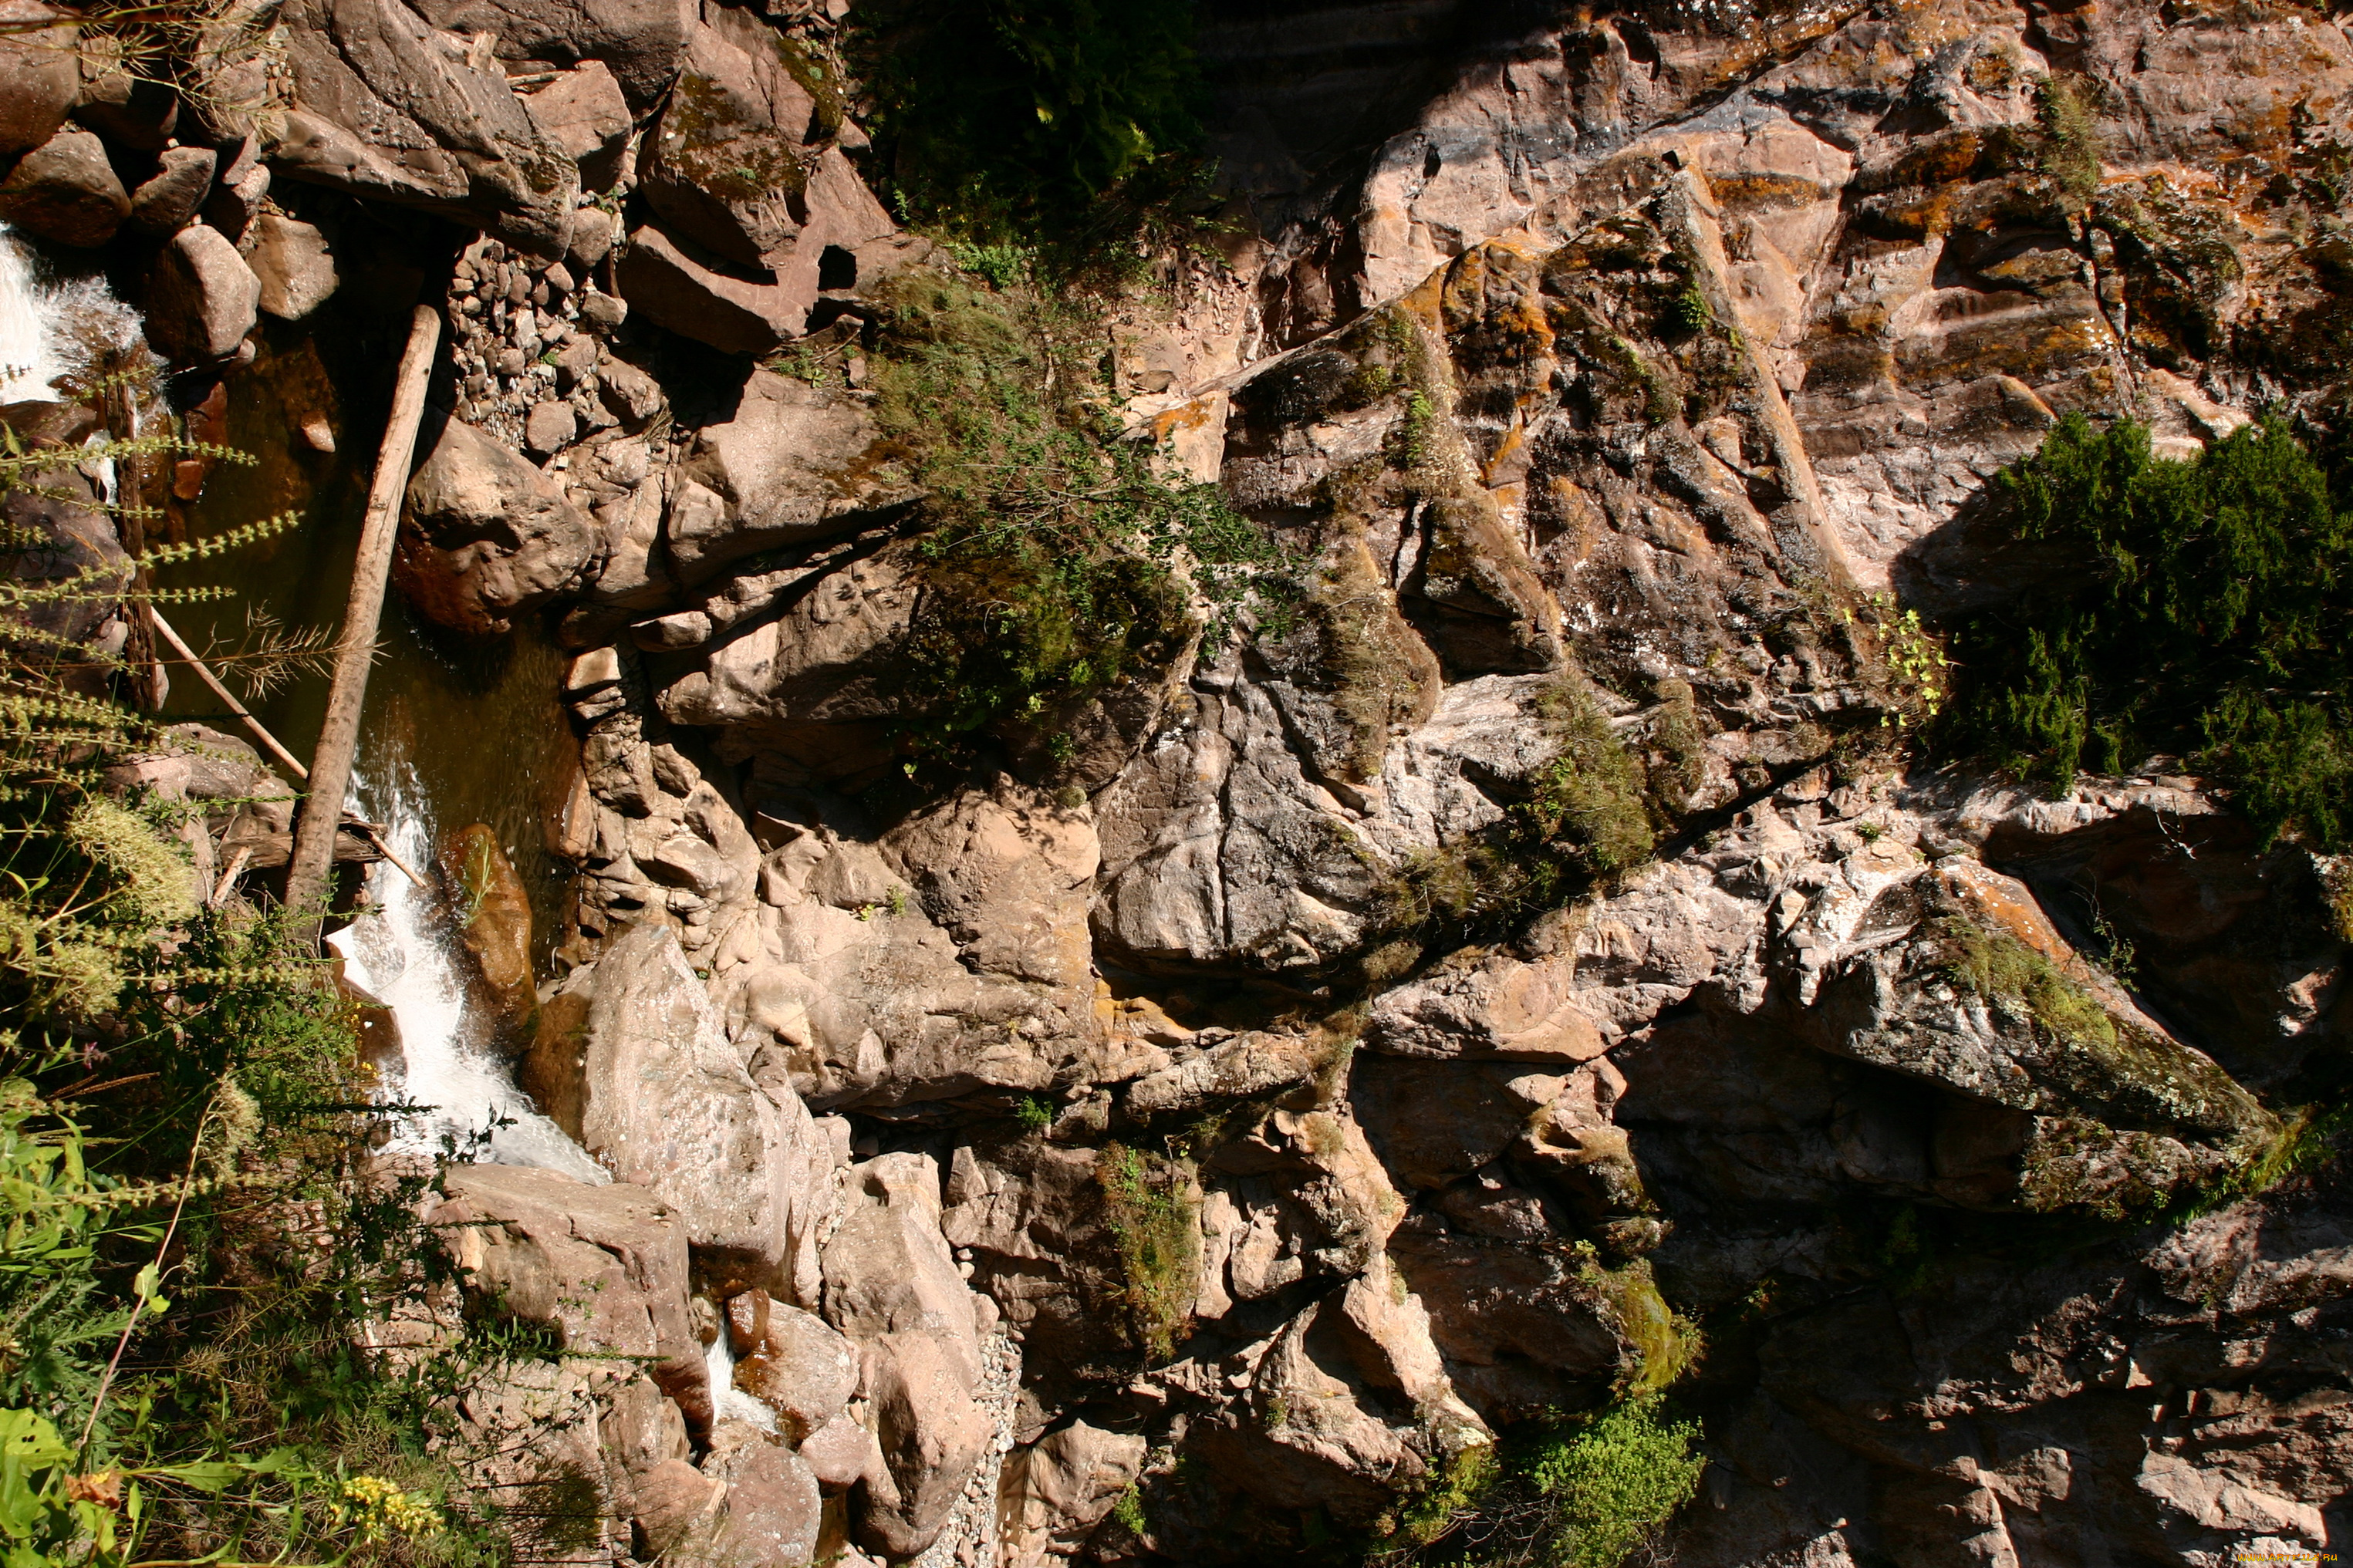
(52, 328)
(405, 954)
(726, 1399)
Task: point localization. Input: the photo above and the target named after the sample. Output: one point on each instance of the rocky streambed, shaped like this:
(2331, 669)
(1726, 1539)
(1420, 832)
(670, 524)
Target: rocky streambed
(1188, 1128)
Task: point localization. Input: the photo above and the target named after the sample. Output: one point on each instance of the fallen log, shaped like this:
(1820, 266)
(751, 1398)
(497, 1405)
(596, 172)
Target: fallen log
(331, 765)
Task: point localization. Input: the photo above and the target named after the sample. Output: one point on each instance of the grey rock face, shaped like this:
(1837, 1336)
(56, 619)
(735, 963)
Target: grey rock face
(655, 1092)
(1638, 358)
(638, 41)
(386, 106)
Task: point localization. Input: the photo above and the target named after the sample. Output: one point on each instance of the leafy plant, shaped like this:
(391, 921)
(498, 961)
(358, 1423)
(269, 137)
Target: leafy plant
(2205, 611)
(1564, 1493)
(1617, 1482)
(193, 1226)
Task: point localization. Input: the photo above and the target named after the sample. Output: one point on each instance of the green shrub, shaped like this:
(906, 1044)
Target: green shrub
(1563, 1493)
(1590, 796)
(2207, 613)
(2066, 110)
(1617, 1482)
(1056, 562)
(194, 1234)
(1071, 122)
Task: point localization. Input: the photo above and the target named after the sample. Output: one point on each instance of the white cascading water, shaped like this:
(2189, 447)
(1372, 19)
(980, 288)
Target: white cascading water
(404, 953)
(51, 328)
(727, 1400)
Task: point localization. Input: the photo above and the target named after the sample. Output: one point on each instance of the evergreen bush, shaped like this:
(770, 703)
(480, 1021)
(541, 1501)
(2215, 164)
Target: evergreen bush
(1056, 560)
(2206, 616)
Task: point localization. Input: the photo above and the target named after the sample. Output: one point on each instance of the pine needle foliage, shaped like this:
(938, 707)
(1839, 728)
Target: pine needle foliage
(2207, 619)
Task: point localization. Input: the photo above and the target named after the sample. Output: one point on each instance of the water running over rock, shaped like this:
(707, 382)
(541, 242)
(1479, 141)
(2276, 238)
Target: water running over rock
(52, 327)
(405, 953)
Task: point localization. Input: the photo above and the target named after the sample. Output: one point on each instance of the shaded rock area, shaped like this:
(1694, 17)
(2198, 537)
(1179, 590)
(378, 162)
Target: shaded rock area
(1196, 1123)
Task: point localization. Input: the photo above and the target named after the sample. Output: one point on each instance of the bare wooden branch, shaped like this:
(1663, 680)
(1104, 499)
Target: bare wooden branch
(338, 737)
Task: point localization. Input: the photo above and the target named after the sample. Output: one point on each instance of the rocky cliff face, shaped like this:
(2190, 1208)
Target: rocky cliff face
(1217, 1112)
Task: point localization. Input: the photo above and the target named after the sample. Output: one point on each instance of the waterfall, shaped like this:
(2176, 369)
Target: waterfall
(405, 954)
(727, 1401)
(52, 327)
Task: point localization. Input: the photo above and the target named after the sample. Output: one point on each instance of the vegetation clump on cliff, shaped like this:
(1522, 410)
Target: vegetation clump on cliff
(1561, 1494)
(1056, 560)
(1148, 1207)
(2210, 619)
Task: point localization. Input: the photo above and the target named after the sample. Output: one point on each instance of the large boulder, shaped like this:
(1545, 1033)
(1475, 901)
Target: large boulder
(891, 1284)
(384, 107)
(202, 298)
(802, 683)
(631, 1059)
(640, 41)
(725, 165)
(790, 1361)
(295, 264)
(486, 535)
(935, 965)
(697, 298)
(583, 112)
(1055, 1492)
(605, 1268)
(65, 191)
(40, 75)
(2063, 1093)
(792, 464)
(741, 163)
(1497, 1007)
(170, 197)
(495, 920)
(933, 1434)
(887, 1267)
(772, 1510)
